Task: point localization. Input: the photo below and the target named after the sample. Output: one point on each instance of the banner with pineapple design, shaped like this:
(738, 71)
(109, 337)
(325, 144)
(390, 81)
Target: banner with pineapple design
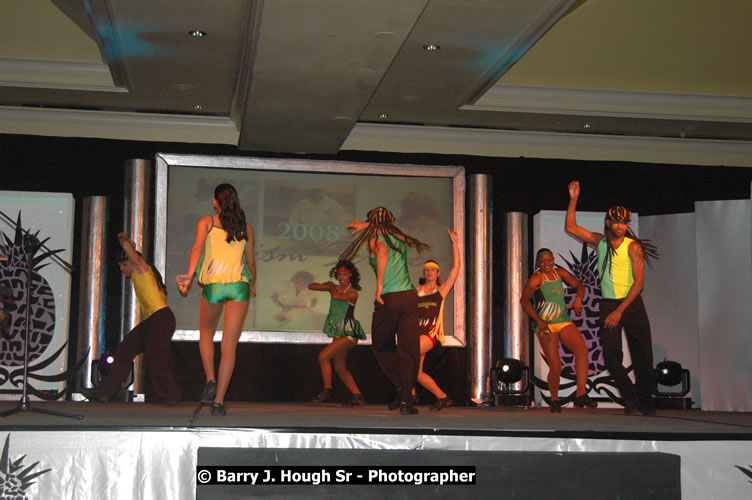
(49, 217)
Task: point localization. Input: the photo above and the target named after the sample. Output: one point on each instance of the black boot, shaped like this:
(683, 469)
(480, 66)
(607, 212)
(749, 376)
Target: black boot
(406, 408)
(584, 400)
(324, 396)
(555, 406)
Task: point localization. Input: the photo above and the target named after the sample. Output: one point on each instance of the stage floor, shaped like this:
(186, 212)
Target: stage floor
(609, 423)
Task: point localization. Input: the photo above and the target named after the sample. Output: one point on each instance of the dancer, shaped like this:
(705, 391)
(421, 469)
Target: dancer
(224, 255)
(432, 293)
(151, 336)
(621, 264)
(553, 324)
(343, 328)
(396, 308)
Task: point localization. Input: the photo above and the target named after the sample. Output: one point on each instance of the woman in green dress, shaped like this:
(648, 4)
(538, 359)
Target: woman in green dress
(343, 328)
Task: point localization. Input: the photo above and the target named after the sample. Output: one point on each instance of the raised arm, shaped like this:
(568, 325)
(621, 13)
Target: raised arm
(184, 281)
(321, 287)
(638, 273)
(250, 257)
(533, 284)
(576, 284)
(446, 285)
(570, 222)
(140, 266)
(357, 226)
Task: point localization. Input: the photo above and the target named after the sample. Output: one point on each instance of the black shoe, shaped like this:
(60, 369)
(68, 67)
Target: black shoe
(555, 406)
(630, 408)
(407, 409)
(395, 403)
(356, 400)
(323, 397)
(441, 403)
(584, 400)
(218, 410)
(94, 396)
(209, 392)
(647, 408)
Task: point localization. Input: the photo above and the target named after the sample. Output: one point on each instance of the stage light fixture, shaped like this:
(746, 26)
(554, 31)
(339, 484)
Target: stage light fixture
(670, 374)
(100, 368)
(505, 374)
(509, 370)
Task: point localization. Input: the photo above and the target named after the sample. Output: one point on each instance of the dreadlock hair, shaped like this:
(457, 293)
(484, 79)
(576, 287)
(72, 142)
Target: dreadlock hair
(160, 282)
(231, 216)
(381, 221)
(422, 280)
(649, 250)
(354, 273)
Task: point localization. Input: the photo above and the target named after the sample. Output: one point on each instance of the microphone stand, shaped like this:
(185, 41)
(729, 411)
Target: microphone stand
(31, 243)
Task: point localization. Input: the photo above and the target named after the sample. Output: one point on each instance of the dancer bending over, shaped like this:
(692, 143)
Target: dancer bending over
(553, 324)
(224, 255)
(343, 328)
(151, 336)
(432, 293)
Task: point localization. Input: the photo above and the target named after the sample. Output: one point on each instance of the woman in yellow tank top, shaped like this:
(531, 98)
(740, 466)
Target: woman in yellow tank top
(224, 256)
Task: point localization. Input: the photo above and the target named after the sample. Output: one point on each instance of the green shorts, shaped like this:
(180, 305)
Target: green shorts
(217, 293)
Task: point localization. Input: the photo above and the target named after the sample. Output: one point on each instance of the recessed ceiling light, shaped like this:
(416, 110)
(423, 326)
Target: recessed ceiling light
(431, 47)
(383, 115)
(197, 33)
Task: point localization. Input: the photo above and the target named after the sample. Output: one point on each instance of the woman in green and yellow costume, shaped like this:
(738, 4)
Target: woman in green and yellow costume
(224, 256)
(553, 325)
(343, 328)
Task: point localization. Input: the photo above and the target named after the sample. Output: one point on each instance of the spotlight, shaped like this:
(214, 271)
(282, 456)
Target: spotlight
(509, 370)
(505, 374)
(670, 374)
(100, 368)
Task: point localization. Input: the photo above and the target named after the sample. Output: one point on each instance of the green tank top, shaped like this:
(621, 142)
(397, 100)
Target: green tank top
(617, 279)
(396, 276)
(550, 301)
(340, 321)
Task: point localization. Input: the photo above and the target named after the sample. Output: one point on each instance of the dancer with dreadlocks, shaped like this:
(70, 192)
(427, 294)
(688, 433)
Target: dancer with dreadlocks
(621, 264)
(396, 306)
(343, 328)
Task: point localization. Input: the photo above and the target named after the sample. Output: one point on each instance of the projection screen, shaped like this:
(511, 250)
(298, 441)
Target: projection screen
(299, 210)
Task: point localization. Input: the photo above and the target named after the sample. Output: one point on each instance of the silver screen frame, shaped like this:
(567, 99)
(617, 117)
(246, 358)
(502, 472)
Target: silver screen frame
(164, 161)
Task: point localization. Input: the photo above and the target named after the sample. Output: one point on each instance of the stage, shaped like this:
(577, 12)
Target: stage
(137, 450)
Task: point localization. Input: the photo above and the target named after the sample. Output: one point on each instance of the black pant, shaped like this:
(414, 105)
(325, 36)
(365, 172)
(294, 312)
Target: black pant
(400, 359)
(152, 337)
(637, 329)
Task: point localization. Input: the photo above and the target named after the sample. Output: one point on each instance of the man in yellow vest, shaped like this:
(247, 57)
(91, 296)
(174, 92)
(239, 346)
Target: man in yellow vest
(621, 266)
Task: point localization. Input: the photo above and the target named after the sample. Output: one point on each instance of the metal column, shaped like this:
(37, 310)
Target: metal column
(479, 274)
(137, 200)
(93, 284)
(516, 335)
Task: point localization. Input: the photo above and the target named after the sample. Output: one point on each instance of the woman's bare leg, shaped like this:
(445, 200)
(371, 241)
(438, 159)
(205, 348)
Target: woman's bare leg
(575, 342)
(425, 379)
(233, 325)
(550, 344)
(208, 318)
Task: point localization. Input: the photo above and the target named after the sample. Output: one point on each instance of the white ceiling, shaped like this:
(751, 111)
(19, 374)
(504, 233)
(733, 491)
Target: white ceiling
(511, 77)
